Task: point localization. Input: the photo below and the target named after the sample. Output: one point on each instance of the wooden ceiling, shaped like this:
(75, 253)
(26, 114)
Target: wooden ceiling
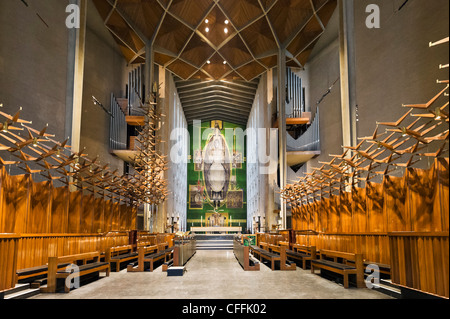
(205, 100)
(256, 29)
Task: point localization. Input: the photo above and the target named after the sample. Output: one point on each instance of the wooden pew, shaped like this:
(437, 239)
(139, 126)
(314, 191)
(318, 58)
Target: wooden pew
(341, 265)
(142, 252)
(162, 253)
(38, 273)
(274, 257)
(95, 266)
(242, 254)
(148, 256)
(119, 255)
(302, 254)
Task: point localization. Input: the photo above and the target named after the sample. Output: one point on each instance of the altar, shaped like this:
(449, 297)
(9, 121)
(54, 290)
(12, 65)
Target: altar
(216, 230)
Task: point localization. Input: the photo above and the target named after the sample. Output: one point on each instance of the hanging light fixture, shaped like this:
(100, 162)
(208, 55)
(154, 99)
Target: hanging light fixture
(5, 127)
(438, 114)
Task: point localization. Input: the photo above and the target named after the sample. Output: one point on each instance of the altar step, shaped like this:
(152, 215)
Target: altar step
(213, 244)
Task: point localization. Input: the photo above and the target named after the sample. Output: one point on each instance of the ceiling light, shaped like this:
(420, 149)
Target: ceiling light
(224, 62)
(225, 30)
(206, 21)
(207, 29)
(438, 115)
(226, 21)
(209, 62)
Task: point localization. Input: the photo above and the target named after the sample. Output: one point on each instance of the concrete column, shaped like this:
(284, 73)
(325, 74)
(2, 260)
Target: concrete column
(148, 78)
(281, 78)
(347, 71)
(78, 78)
(149, 71)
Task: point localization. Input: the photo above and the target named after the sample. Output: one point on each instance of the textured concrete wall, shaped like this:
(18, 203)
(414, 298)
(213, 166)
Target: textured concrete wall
(394, 66)
(33, 62)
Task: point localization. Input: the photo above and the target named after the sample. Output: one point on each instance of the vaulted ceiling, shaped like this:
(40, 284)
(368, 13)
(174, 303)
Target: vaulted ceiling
(217, 40)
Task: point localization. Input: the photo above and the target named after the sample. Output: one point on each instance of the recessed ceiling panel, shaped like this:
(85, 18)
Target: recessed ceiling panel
(217, 67)
(241, 12)
(191, 12)
(235, 52)
(259, 37)
(197, 51)
(145, 14)
(288, 16)
(251, 70)
(173, 35)
(182, 68)
(309, 33)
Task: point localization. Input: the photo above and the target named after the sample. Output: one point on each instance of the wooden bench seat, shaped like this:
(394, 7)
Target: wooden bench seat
(302, 254)
(147, 256)
(151, 259)
(29, 275)
(122, 258)
(90, 264)
(342, 263)
(274, 257)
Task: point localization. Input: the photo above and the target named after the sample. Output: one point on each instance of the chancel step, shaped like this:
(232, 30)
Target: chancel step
(20, 291)
(214, 244)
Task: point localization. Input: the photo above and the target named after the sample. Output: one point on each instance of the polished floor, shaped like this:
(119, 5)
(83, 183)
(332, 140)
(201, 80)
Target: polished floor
(216, 274)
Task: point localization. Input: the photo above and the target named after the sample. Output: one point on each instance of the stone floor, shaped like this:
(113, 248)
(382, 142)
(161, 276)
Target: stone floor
(216, 275)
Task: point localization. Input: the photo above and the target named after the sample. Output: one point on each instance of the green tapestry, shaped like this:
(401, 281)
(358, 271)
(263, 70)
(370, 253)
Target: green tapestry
(217, 176)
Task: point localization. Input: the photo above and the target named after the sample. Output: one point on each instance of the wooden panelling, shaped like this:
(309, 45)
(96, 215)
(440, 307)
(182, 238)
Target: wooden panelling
(375, 208)
(345, 220)
(123, 216)
(394, 204)
(8, 260)
(420, 197)
(402, 222)
(87, 217)
(108, 213)
(39, 213)
(420, 260)
(115, 216)
(99, 215)
(75, 210)
(15, 203)
(359, 215)
(32, 208)
(60, 210)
